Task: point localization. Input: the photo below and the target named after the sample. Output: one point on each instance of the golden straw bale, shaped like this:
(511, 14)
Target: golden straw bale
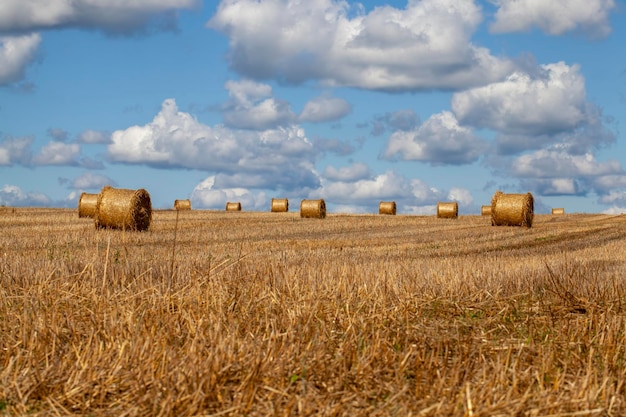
(387, 207)
(447, 210)
(558, 210)
(512, 209)
(230, 206)
(485, 210)
(182, 204)
(314, 209)
(119, 208)
(280, 205)
(87, 205)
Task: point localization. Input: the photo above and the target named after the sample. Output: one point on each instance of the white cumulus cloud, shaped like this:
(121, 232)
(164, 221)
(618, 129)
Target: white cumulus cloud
(58, 153)
(15, 150)
(206, 195)
(278, 158)
(555, 17)
(550, 101)
(112, 16)
(91, 181)
(357, 171)
(427, 45)
(16, 53)
(12, 195)
(324, 108)
(439, 140)
(253, 107)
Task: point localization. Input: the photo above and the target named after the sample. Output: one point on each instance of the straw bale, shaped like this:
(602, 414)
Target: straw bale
(182, 204)
(315, 209)
(512, 209)
(558, 210)
(387, 207)
(447, 210)
(119, 208)
(485, 211)
(230, 206)
(87, 205)
(280, 205)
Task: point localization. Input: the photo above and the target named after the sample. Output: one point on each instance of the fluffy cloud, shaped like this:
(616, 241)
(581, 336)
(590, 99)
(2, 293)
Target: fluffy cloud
(58, 153)
(12, 195)
(275, 158)
(114, 17)
(94, 137)
(15, 151)
(90, 181)
(421, 47)
(551, 101)
(461, 195)
(16, 53)
(555, 17)
(398, 120)
(353, 172)
(554, 171)
(206, 195)
(554, 163)
(324, 108)
(614, 197)
(252, 107)
(440, 140)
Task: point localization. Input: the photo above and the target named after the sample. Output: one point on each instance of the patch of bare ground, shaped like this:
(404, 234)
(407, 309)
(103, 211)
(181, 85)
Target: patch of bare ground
(214, 313)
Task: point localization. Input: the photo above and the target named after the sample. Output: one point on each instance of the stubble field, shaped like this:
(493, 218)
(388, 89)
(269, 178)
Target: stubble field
(215, 313)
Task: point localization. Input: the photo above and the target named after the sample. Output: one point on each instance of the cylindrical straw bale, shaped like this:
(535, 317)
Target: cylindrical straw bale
(558, 211)
(119, 208)
(387, 207)
(87, 205)
(182, 204)
(447, 210)
(512, 209)
(280, 205)
(315, 209)
(485, 210)
(230, 206)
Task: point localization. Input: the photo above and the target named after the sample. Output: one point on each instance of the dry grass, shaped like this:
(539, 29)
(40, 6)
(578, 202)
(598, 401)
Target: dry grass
(255, 314)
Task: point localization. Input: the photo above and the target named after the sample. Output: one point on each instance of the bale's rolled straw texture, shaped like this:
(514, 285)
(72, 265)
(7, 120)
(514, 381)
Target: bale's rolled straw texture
(182, 204)
(119, 208)
(230, 206)
(314, 209)
(280, 205)
(87, 205)
(512, 209)
(558, 211)
(387, 207)
(449, 210)
(485, 210)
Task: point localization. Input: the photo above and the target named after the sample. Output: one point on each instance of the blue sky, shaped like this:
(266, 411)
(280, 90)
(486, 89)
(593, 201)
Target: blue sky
(414, 101)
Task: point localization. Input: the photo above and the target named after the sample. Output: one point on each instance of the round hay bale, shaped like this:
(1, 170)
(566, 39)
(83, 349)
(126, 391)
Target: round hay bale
(387, 207)
(280, 205)
(485, 210)
(182, 204)
(447, 210)
(119, 208)
(233, 206)
(558, 211)
(512, 209)
(87, 205)
(313, 209)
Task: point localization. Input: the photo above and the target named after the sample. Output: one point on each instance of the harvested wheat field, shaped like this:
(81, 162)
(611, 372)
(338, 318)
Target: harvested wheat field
(253, 314)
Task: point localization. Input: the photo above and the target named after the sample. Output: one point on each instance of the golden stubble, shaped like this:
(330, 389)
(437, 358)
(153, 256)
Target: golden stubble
(248, 313)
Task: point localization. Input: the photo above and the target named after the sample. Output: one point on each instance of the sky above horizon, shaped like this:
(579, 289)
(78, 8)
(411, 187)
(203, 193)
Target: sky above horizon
(414, 101)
